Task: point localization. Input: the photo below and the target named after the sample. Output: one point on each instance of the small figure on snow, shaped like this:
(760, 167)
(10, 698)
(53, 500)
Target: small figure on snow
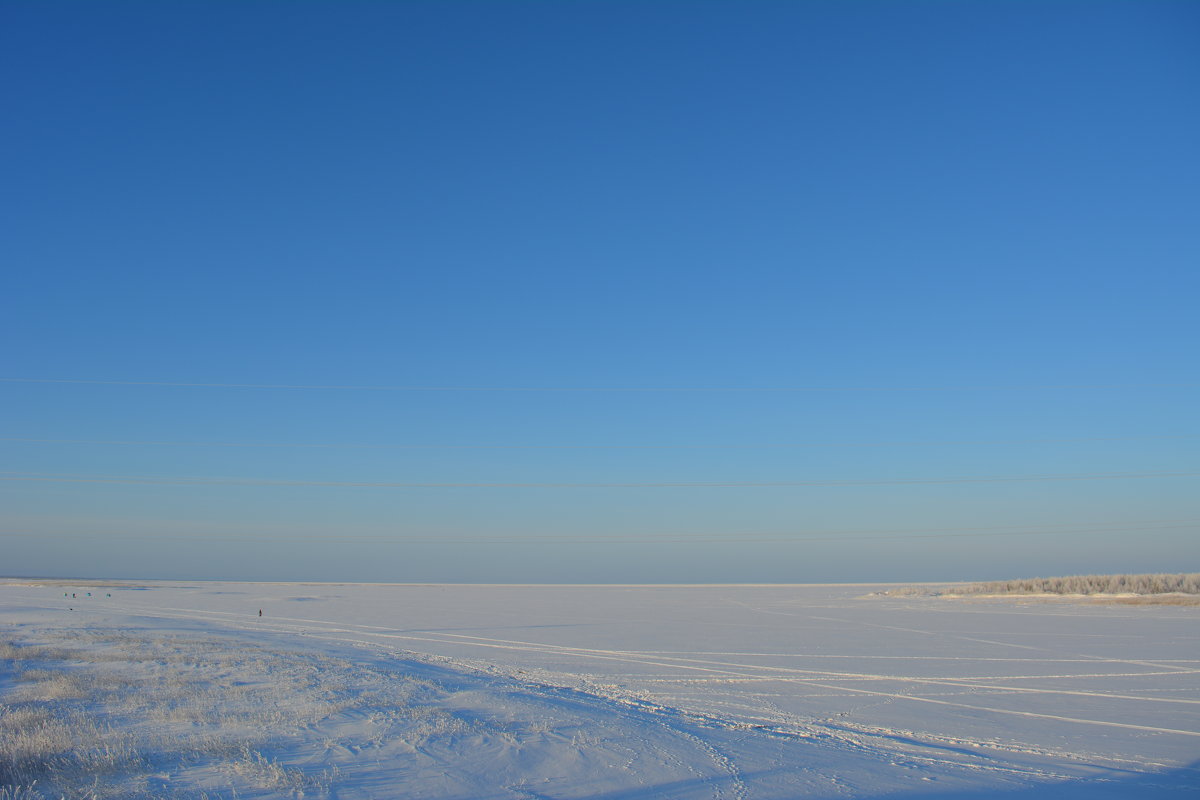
(260, 612)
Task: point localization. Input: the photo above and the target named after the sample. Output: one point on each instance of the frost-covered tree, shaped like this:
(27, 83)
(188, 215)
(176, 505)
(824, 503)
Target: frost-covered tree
(1183, 583)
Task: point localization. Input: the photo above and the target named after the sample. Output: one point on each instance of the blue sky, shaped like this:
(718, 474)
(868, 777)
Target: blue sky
(984, 213)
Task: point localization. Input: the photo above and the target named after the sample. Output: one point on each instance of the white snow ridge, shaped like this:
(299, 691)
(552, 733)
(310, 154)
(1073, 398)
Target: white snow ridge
(172, 690)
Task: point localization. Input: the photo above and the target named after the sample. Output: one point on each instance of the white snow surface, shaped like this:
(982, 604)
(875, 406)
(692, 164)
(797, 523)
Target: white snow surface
(611, 692)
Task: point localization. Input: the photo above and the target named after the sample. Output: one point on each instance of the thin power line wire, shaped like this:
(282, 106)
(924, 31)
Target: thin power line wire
(586, 389)
(923, 529)
(743, 446)
(926, 529)
(646, 540)
(226, 481)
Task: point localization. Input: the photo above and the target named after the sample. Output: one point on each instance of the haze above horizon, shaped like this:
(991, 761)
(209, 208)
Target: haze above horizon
(600, 292)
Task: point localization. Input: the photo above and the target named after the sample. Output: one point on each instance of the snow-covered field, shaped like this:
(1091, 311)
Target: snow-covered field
(170, 689)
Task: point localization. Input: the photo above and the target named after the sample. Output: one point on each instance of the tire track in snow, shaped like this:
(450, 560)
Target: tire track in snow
(630, 656)
(723, 762)
(974, 639)
(724, 668)
(870, 657)
(632, 711)
(1166, 664)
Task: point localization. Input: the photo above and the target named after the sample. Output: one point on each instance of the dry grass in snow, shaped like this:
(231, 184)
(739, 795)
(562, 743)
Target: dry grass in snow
(116, 716)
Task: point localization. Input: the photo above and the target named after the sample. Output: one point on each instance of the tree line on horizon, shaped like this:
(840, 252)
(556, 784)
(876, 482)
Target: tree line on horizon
(1160, 583)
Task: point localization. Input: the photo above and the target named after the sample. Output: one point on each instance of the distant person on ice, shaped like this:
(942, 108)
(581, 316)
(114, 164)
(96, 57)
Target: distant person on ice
(260, 612)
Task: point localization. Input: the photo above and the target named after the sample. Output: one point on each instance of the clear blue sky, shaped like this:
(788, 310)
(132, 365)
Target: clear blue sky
(986, 212)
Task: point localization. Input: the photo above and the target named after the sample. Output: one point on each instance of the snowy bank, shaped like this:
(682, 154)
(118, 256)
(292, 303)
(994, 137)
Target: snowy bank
(169, 689)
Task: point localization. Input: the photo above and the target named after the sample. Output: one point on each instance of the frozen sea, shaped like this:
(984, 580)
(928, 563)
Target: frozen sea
(715, 691)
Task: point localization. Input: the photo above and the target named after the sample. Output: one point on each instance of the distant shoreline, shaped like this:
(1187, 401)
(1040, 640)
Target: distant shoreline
(1165, 599)
(13, 579)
